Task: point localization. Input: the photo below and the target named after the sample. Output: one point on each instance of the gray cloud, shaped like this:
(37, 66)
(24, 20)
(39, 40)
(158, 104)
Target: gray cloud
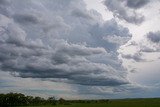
(78, 13)
(26, 18)
(111, 92)
(110, 35)
(154, 37)
(126, 13)
(4, 2)
(67, 62)
(61, 41)
(136, 57)
(151, 43)
(3, 9)
(136, 3)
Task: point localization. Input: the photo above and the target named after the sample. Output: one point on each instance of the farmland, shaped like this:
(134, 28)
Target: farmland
(21, 100)
(152, 102)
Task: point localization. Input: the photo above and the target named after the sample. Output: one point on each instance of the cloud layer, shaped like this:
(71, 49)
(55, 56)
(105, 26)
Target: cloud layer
(60, 41)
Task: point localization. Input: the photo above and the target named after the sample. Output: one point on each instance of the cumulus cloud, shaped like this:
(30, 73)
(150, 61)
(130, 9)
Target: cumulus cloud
(149, 45)
(61, 41)
(151, 42)
(110, 35)
(125, 9)
(66, 62)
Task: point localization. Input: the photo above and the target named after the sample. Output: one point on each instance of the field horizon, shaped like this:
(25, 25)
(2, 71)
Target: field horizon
(21, 100)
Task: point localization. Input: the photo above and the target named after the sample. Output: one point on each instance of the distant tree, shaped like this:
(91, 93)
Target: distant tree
(62, 101)
(38, 101)
(29, 100)
(12, 99)
(52, 100)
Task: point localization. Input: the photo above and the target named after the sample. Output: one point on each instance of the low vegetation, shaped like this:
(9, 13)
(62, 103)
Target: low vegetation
(20, 100)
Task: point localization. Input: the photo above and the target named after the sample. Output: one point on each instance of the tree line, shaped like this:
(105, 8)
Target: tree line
(19, 99)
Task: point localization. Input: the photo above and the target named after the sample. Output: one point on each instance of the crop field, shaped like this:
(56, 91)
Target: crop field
(155, 102)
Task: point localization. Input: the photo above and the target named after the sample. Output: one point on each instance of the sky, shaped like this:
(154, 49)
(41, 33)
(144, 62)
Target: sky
(80, 49)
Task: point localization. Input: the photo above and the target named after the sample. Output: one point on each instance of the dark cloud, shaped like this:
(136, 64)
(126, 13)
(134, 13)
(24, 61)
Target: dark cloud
(136, 3)
(61, 41)
(65, 61)
(4, 2)
(154, 37)
(3, 9)
(147, 49)
(78, 13)
(110, 35)
(122, 12)
(61, 63)
(136, 57)
(26, 18)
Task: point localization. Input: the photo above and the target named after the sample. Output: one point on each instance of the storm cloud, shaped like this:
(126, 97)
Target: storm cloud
(61, 41)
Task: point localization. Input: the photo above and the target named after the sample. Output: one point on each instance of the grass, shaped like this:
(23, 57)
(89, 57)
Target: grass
(115, 103)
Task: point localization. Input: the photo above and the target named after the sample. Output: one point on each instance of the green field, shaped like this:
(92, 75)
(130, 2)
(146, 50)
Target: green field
(115, 103)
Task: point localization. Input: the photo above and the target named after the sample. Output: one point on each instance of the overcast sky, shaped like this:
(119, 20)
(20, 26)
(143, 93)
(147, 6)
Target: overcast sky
(79, 49)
